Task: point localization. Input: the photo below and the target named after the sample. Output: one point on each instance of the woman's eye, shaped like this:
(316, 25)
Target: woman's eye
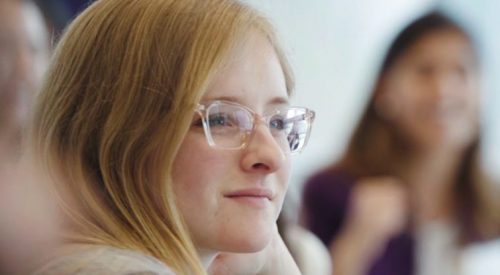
(277, 123)
(425, 70)
(219, 120)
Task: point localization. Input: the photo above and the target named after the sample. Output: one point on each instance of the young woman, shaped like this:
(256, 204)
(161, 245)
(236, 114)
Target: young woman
(166, 128)
(408, 194)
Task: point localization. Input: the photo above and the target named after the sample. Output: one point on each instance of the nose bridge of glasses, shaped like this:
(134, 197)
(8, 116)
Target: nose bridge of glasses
(266, 121)
(277, 137)
(260, 119)
(265, 135)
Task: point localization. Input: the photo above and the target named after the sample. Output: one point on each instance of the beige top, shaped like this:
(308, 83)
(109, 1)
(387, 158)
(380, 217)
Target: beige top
(437, 249)
(312, 257)
(95, 259)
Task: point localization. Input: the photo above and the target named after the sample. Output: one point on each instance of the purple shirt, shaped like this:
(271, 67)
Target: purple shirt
(325, 203)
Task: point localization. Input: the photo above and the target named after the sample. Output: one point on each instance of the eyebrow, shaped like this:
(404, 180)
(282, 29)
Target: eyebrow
(279, 101)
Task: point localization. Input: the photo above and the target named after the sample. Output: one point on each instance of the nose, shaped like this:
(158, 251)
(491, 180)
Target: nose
(263, 154)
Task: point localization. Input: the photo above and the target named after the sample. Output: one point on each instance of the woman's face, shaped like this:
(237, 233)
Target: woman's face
(431, 93)
(230, 199)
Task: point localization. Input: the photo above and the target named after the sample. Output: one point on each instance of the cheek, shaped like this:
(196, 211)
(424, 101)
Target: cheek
(399, 96)
(284, 173)
(471, 99)
(192, 173)
(198, 175)
(282, 183)
(406, 93)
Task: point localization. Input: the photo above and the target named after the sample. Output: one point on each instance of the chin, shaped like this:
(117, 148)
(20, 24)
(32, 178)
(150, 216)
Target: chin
(248, 246)
(247, 240)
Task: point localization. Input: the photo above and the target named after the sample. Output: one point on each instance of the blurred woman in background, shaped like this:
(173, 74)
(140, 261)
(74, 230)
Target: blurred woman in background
(409, 192)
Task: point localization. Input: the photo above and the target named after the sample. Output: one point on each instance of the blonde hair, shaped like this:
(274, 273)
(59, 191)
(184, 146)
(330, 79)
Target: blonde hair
(116, 105)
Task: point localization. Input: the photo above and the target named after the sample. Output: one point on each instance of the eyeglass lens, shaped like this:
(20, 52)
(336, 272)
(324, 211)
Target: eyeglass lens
(230, 126)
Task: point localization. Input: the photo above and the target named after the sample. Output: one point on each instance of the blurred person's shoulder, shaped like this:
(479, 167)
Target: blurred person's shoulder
(99, 259)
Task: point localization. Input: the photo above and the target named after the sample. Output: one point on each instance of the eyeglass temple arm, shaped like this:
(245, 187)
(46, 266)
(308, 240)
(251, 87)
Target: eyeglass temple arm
(308, 115)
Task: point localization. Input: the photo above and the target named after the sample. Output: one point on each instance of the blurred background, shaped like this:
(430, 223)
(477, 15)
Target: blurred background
(335, 47)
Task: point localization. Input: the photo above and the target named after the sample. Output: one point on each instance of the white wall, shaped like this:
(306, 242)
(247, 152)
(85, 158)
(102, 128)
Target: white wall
(335, 47)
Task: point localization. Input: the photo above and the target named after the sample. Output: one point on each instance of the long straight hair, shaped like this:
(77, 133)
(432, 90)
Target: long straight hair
(117, 103)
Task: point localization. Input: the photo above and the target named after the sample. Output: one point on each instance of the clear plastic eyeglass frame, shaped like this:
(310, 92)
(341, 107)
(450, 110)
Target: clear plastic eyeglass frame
(290, 123)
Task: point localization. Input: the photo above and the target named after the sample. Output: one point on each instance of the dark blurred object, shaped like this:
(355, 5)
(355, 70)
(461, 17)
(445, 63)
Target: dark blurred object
(59, 13)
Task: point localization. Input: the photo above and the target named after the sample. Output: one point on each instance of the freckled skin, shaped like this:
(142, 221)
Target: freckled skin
(203, 175)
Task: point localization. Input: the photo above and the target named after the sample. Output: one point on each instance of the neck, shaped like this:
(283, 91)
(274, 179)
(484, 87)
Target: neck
(432, 177)
(440, 164)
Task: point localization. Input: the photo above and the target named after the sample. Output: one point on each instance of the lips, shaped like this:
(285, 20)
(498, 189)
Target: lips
(262, 193)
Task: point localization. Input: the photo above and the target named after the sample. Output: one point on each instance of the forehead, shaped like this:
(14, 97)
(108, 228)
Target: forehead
(445, 44)
(252, 76)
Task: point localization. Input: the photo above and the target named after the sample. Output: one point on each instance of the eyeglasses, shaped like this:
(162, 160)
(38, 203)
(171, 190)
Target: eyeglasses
(229, 125)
